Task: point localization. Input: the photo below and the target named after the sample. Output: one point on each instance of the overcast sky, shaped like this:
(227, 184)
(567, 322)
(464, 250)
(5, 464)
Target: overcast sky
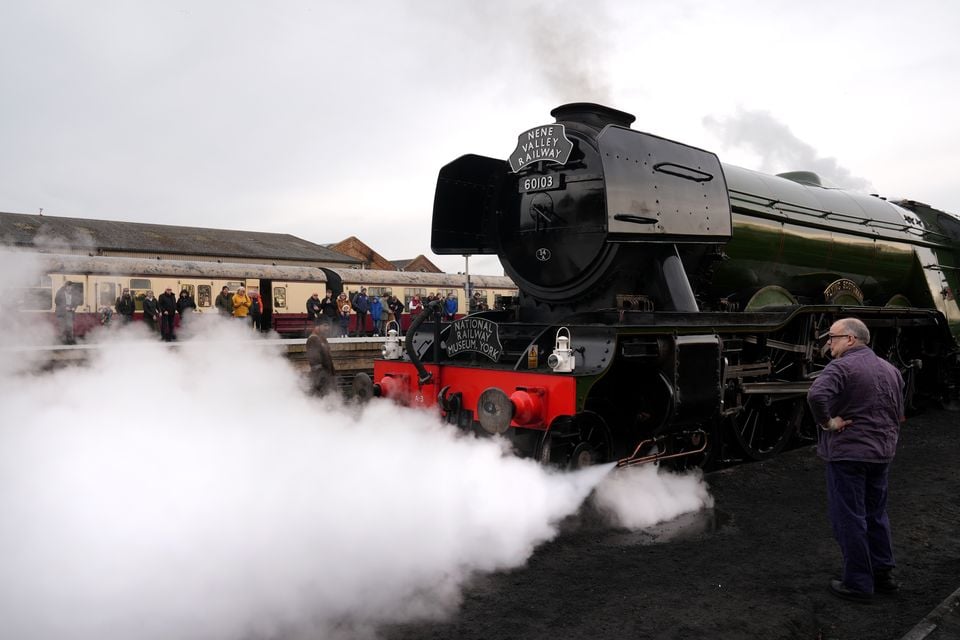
(330, 119)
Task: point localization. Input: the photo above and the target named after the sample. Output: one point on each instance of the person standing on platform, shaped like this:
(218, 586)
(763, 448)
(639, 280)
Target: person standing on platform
(416, 306)
(361, 304)
(344, 319)
(65, 303)
(167, 308)
(395, 305)
(186, 307)
(857, 400)
(450, 308)
(376, 310)
(224, 302)
(328, 308)
(314, 307)
(150, 311)
(256, 311)
(241, 304)
(125, 306)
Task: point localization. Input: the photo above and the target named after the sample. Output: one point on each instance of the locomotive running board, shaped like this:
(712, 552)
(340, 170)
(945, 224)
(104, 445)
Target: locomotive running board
(776, 388)
(635, 458)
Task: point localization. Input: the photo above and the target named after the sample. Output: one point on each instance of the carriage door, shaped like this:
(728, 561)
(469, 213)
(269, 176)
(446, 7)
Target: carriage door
(266, 287)
(106, 295)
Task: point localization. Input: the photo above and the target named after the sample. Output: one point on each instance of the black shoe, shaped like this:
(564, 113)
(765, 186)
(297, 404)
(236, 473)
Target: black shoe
(884, 582)
(841, 590)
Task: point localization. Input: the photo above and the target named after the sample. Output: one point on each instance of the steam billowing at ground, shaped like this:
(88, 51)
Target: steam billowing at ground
(198, 492)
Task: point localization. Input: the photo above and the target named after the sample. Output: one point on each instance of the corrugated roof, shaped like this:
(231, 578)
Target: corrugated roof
(51, 232)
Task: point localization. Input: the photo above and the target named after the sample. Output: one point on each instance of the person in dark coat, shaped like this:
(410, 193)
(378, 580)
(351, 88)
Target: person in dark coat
(361, 305)
(186, 307)
(256, 311)
(314, 309)
(328, 308)
(322, 372)
(65, 303)
(125, 306)
(396, 305)
(224, 302)
(167, 308)
(150, 310)
(857, 400)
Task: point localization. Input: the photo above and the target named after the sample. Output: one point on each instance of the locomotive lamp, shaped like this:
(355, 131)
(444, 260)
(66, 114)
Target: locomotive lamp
(392, 349)
(562, 359)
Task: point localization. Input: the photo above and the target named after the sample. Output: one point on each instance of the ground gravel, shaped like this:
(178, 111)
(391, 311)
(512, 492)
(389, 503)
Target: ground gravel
(756, 566)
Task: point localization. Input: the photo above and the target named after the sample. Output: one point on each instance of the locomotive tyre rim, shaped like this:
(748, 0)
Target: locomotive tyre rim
(762, 429)
(543, 455)
(586, 442)
(495, 411)
(583, 456)
(362, 387)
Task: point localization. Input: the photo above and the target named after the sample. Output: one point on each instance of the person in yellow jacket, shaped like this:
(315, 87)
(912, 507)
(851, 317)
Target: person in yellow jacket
(241, 303)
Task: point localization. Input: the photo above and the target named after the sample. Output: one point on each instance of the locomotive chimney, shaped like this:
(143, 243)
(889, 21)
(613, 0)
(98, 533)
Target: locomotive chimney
(592, 115)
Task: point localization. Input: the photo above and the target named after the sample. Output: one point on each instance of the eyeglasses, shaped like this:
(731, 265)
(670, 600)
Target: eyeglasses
(839, 335)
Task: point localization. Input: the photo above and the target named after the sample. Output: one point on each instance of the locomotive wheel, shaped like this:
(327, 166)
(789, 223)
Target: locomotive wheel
(578, 442)
(584, 455)
(764, 425)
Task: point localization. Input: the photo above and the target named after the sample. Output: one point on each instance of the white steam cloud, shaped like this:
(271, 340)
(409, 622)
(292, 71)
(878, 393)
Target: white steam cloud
(778, 149)
(662, 496)
(196, 491)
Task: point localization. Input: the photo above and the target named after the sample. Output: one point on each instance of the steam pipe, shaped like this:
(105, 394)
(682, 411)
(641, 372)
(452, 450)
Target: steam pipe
(677, 290)
(432, 308)
(632, 459)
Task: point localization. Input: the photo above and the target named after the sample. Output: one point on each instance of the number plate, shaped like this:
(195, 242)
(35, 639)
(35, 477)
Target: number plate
(549, 182)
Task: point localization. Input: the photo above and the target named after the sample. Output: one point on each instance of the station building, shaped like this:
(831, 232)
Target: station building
(111, 238)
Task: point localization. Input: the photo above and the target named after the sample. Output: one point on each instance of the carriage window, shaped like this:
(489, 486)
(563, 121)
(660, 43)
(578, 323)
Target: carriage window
(234, 285)
(106, 294)
(378, 291)
(204, 295)
(280, 297)
(138, 289)
(189, 288)
(409, 293)
(36, 297)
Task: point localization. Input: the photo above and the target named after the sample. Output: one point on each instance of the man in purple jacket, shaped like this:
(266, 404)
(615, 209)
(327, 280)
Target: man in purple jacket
(858, 403)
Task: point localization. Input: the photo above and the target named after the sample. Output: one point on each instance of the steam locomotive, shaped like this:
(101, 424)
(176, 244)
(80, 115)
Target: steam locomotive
(670, 306)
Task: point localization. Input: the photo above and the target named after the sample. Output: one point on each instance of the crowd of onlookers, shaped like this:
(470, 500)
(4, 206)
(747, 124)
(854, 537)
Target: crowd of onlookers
(160, 312)
(381, 311)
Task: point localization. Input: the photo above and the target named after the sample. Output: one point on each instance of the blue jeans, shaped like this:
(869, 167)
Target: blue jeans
(857, 504)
